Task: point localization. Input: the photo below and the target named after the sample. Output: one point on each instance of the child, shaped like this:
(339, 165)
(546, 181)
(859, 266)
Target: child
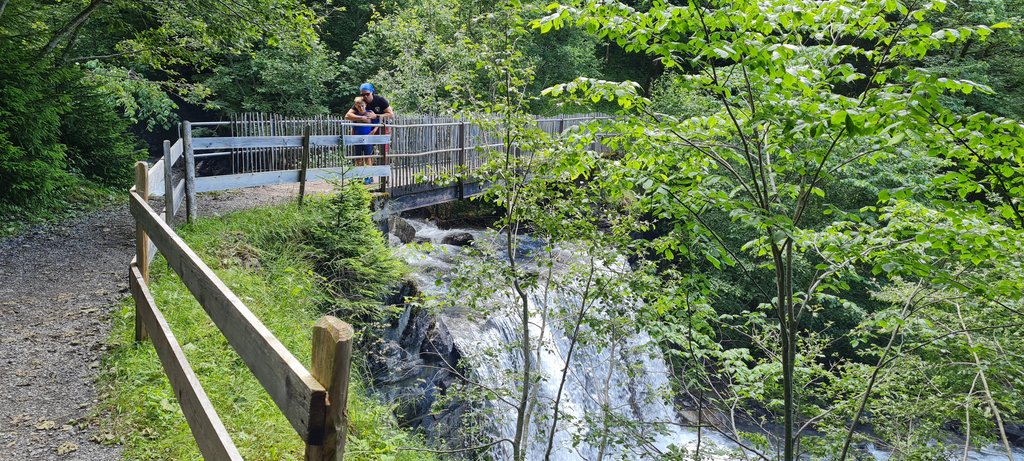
(359, 114)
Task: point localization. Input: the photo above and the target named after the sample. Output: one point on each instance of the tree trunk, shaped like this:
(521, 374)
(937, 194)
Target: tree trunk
(69, 28)
(984, 385)
(782, 257)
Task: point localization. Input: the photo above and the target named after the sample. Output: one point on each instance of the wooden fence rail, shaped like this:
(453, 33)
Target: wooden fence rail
(411, 154)
(314, 405)
(210, 434)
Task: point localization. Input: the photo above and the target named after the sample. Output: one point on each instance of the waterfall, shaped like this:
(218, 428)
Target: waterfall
(624, 381)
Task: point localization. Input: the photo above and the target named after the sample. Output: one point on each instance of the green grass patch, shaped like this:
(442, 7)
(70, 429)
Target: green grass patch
(267, 257)
(80, 196)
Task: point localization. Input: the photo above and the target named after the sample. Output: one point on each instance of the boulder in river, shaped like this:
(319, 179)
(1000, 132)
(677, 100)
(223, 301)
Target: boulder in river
(459, 239)
(402, 229)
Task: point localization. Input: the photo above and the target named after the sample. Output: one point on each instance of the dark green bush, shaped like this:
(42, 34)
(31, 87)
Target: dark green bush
(99, 145)
(350, 253)
(56, 129)
(33, 162)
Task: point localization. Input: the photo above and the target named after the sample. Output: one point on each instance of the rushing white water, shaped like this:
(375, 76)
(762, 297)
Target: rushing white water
(623, 380)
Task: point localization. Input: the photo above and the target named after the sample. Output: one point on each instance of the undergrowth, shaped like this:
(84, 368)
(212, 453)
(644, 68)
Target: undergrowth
(265, 256)
(76, 197)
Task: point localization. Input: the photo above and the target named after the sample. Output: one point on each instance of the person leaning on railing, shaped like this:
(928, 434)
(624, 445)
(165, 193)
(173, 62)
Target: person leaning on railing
(376, 104)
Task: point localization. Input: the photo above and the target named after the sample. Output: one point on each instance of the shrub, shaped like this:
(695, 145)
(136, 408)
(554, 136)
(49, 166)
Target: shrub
(350, 254)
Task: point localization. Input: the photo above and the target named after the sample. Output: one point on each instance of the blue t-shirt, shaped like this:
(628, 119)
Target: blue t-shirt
(361, 129)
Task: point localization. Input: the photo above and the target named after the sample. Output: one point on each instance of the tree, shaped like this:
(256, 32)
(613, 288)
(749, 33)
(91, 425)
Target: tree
(288, 80)
(77, 73)
(808, 92)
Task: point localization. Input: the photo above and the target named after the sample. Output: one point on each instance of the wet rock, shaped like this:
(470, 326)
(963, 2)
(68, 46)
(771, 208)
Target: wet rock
(411, 360)
(402, 229)
(1015, 434)
(460, 239)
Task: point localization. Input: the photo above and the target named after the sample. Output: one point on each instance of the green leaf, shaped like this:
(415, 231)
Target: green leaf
(839, 117)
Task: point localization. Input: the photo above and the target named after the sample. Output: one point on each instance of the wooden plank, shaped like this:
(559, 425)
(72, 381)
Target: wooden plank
(155, 179)
(243, 180)
(297, 394)
(175, 152)
(210, 434)
(267, 178)
(332, 364)
(347, 173)
(422, 199)
(141, 239)
(151, 252)
(252, 142)
(168, 185)
(305, 163)
(247, 142)
(141, 243)
(179, 195)
(366, 139)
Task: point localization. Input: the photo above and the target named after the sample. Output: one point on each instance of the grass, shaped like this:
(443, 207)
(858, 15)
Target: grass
(258, 255)
(80, 197)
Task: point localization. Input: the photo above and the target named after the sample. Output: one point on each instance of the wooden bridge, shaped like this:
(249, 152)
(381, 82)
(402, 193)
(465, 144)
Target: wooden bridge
(408, 159)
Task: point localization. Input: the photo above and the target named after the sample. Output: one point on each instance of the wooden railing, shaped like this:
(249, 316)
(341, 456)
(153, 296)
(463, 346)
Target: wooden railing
(411, 154)
(313, 402)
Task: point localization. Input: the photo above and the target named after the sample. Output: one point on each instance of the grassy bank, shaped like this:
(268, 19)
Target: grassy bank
(82, 196)
(273, 259)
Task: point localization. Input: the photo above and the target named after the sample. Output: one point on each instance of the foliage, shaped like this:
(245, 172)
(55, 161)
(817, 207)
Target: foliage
(74, 73)
(411, 55)
(421, 55)
(995, 62)
(288, 80)
(561, 293)
(808, 94)
(32, 160)
(260, 255)
(98, 142)
(357, 265)
(59, 140)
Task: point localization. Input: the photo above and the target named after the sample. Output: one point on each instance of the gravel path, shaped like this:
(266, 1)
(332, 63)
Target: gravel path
(58, 286)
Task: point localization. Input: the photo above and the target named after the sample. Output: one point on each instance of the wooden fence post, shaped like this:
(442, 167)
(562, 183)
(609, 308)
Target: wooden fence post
(190, 171)
(332, 361)
(384, 158)
(141, 243)
(305, 163)
(168, 185)
(462, 161)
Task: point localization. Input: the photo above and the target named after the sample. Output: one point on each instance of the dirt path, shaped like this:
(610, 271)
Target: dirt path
(58, 285)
